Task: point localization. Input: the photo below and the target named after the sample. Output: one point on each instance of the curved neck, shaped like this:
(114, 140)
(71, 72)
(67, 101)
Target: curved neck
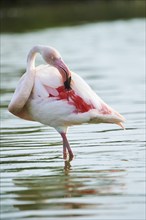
(31, 58)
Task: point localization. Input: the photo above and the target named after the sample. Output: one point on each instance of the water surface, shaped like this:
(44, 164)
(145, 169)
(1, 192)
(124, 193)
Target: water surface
(106, 180)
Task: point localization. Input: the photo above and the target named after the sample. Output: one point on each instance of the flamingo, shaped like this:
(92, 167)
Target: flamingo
(54, 95)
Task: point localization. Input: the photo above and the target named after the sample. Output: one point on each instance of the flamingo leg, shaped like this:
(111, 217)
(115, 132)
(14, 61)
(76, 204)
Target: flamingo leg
(64, 151)
(67, 147)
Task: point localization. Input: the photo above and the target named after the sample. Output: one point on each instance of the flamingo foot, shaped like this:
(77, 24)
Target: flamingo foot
(66, 147)
(67, 166)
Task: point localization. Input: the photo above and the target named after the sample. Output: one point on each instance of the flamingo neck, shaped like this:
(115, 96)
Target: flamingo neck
(31, 58)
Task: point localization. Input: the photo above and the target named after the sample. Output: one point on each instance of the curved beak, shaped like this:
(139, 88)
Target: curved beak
(64, 71)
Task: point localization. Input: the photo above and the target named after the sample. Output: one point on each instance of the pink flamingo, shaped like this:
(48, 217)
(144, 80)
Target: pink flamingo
(54, 95)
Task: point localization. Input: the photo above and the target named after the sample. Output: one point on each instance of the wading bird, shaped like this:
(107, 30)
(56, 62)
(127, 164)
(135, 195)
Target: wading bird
(54, 95)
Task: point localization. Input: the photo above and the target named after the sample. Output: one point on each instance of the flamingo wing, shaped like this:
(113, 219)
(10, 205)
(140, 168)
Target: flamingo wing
(100, 111)
(58, 107)
(22, 93)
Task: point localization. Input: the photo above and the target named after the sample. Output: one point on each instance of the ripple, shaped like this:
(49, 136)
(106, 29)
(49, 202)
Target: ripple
(106, 179)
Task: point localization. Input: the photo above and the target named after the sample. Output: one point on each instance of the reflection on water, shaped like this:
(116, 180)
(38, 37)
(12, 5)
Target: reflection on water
(106, 179)
(66, 190)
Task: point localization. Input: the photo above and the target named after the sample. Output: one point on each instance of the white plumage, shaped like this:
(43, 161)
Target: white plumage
(55, 96)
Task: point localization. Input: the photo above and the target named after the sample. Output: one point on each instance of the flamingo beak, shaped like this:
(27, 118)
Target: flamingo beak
(64, 71)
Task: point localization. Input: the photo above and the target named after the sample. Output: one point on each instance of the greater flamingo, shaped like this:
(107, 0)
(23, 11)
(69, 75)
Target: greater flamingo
(54, 95)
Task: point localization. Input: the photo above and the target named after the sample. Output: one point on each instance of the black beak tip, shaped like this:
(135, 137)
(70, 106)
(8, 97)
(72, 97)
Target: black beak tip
(67, 83)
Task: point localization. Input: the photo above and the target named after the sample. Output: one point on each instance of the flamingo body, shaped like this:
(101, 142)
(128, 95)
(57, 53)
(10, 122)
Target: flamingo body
(41, 96)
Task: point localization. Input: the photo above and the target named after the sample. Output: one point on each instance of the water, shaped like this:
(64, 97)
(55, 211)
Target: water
(106, 180)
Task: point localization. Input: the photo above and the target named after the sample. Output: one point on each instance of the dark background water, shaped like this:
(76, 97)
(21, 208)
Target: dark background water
(106, 180)
(20, 16)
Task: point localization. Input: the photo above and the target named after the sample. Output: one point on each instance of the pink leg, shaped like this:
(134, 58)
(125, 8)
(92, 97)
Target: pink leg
(66, 146)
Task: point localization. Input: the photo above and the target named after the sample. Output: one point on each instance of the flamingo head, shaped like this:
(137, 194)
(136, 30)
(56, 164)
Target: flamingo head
(53, 57)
